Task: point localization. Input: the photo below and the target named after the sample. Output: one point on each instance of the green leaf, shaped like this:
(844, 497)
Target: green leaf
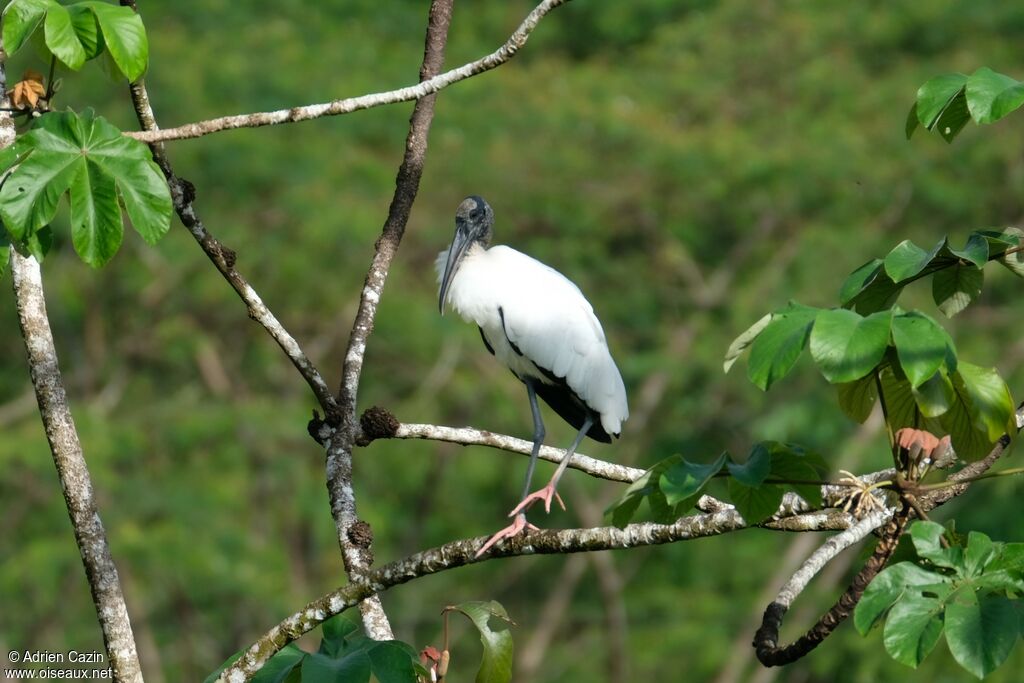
(935, 397)
(125, 37)
(336, 631)
(975, 251)
(797, 465)
(281, 665)
(912, 629)
(321, 668)
(907, 259)
(392, 662)
(847, 346)
(61, 38)
(684, 480)
(496, 666)
(955, 288)
(755, 503)
(90, 159)
(857, 398)
(744, 340)
(979, 553)
(39, 243)
(886, 589)
(981, 633)
(87, 29)
(936, 95)
(1007, 101)
(927, 542)
(20, 19)
(96, 229)
(983, 87)
(1014, 261)
(922, 346)
(988, 399)
(912, 121)
(1010, 557)
(859, 279)
(621, 511)
(776, 349)
(755, 470)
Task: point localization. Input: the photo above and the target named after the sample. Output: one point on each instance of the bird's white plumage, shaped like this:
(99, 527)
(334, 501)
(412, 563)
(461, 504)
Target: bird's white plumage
(548, 320)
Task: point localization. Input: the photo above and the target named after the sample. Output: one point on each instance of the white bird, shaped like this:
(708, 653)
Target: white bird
(537, 323)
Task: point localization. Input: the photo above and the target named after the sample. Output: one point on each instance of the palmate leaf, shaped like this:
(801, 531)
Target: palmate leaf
(125, 37)
(980, 632)
(922, 346)
(90, 160)
(61, 38)
(20, 19)
(913, 628)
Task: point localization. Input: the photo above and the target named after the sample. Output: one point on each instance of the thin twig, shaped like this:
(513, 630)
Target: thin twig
(426, 87)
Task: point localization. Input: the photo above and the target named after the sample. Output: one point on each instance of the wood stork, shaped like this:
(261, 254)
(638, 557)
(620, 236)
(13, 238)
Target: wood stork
(538, 324)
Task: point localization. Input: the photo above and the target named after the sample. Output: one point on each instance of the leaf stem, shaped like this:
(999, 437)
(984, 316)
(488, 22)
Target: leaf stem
(959, 482)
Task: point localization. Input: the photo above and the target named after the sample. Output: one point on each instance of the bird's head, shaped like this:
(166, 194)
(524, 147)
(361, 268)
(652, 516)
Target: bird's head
(474, 220)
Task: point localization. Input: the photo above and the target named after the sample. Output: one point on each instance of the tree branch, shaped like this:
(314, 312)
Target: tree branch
(183, 194)
(427, 86)
(72, 469)
(468, 436)
(721, 520)
(66, 448)
(354, 535)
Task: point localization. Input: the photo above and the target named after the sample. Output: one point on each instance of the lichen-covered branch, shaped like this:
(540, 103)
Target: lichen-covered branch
(72, 470)
(354, 535)
(468, 436)
(720, 519)
(427, 86)
(66, 447)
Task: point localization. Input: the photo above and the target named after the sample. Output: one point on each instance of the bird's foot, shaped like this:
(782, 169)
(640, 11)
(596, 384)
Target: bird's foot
(518, 526)
(545, 494)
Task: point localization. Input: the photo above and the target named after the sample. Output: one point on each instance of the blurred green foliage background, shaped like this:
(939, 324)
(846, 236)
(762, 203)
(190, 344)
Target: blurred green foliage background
(691, 165)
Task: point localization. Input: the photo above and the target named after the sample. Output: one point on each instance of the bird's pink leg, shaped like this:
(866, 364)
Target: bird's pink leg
(546, 494)
(517, 526)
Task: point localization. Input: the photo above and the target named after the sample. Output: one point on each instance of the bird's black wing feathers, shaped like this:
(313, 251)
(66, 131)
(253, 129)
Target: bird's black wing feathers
(569, 407)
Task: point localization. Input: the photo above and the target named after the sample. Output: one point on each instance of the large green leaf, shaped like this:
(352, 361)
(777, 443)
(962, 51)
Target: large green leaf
(321, 668)
(922, 346)
(646, 486)
(1007, 101)
(755, 470)
(90, 159)
(981, 633)
(858, 398)
(935, 396)
(869, 289)
(936, 95)
(124, 35)
(955, 288)
(886, 589)
(684, 480)
(391, 661)
(847, 346)
(907, 259)
(61, 38)
(983, 88)
(780, 343)
(988, 399)
(913, 628)
(20, 19)
(281, 666)
(744, 340)
(975, 251)
(83, 20)
(979, 553)
(755, 503)
(927, 538)
(496, 666)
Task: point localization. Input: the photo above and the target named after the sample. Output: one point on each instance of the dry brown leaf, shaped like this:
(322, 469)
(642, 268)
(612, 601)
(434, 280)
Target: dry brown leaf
(26, 93)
